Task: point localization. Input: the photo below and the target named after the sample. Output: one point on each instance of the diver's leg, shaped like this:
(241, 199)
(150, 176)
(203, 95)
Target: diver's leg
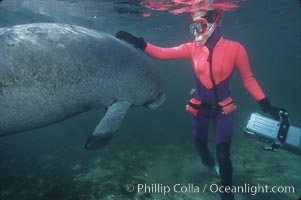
(200, 135)
(223, 131)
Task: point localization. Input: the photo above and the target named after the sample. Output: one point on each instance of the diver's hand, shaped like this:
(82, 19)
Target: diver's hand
(137, 42)
(267, 108)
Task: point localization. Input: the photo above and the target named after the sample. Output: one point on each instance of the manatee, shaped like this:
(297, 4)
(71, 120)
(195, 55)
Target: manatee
(50, 72)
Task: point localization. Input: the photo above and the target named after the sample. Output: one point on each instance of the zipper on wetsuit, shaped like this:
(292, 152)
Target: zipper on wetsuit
(211, 75)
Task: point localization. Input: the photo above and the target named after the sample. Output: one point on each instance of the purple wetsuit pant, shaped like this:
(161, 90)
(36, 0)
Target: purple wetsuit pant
(222, 125)
(222, 128)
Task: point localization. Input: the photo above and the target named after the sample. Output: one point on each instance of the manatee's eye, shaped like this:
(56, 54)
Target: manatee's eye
(160, 95)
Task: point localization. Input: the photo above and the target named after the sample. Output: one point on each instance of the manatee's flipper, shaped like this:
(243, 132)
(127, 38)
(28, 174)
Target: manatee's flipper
(110, 123)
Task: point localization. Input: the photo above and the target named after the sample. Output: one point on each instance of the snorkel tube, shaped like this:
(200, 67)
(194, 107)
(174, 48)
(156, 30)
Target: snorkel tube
(203, 38)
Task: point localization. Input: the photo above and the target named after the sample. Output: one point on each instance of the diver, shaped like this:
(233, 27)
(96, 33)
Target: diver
(214, 59)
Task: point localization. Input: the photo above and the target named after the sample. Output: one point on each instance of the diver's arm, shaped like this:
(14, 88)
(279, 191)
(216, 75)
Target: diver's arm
(250, 83)
(182, 51)
(246, 75)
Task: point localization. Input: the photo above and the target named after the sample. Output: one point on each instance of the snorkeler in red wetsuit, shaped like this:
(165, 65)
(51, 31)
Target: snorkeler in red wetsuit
(214, 60)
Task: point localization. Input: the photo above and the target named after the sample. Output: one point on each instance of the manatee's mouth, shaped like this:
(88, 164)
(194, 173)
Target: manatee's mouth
(158, 102)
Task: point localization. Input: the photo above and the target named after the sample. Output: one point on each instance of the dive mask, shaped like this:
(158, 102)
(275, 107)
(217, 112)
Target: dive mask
(200, 26)
(202, 29)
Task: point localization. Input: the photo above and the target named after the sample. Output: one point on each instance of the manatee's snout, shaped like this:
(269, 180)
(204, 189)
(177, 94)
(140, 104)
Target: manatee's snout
(98, 141)
(158, 102)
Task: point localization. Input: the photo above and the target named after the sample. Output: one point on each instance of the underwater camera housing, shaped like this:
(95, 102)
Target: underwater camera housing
(276, 133)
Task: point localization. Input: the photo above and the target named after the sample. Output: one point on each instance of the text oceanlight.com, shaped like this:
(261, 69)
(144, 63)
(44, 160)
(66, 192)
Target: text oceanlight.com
(213, 188)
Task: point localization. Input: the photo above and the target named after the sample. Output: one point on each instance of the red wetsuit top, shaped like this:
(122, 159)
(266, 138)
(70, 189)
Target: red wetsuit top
(227, 55)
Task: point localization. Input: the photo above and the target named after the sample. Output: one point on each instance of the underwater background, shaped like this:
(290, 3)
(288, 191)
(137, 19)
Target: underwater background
(155, 147)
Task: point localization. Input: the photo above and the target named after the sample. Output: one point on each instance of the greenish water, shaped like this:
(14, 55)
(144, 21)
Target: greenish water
(156, 147)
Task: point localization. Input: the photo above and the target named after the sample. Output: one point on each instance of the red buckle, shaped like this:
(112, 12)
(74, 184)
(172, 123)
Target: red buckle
(227, 105)
(194, 106)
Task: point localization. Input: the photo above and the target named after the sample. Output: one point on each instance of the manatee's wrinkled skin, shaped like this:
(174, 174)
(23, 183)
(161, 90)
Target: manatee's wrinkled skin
(49, 72)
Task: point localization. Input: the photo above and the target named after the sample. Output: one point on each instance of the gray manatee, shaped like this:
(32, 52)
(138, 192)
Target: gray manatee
(50, 72)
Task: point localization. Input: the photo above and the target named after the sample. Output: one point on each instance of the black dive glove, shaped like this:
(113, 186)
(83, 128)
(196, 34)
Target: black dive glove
(267, 108)
(137, 42)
